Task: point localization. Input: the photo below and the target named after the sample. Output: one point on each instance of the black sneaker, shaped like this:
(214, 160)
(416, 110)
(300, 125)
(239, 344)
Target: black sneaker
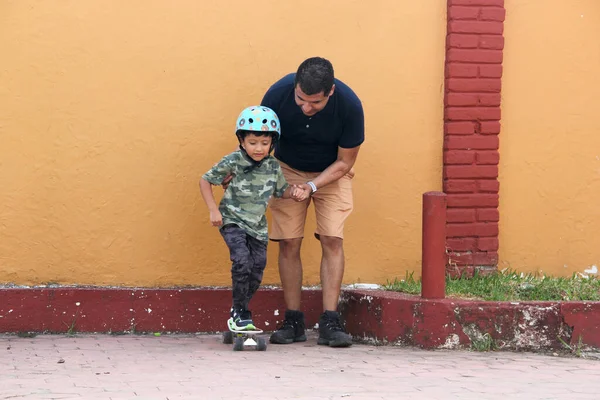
(292, 329)
(331, 332)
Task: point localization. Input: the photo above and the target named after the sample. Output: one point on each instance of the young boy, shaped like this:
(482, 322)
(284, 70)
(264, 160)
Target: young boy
(241, 214)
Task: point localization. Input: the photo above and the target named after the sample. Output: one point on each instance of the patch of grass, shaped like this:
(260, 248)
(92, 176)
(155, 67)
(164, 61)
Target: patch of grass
(406, 285)
(575, 349)
(484, 343)
(71, 328)
(26, 334)
(508, 285)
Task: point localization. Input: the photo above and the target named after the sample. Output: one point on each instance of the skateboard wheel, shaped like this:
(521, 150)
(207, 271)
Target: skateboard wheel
(238, 344)
(228, 337)
(261, 344)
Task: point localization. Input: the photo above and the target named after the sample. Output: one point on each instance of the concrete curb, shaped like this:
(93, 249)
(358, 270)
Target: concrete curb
(390, 317)
(374, 316)
(117, 310)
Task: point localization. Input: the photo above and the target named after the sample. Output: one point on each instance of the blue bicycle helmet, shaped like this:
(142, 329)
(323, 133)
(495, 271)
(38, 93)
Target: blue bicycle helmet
(258, 119)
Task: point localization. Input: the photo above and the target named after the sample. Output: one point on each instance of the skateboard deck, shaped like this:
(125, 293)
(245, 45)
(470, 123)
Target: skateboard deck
(244, 339)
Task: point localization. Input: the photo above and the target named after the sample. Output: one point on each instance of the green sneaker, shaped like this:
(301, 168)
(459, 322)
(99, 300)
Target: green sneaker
(241, 320)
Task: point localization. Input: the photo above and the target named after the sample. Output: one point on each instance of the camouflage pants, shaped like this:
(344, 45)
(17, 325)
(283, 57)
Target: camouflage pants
(248, 261)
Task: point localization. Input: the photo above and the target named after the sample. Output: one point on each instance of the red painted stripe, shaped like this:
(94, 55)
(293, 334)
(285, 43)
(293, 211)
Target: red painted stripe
(108, 310)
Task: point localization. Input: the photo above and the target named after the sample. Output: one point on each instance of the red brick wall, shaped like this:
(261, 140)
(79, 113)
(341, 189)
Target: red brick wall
(474, 45)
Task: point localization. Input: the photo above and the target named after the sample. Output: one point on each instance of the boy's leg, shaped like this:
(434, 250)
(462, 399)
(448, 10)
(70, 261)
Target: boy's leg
(241, 264)
(258, 251)
(258, 255)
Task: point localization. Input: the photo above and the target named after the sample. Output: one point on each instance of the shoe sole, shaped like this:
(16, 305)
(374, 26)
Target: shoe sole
(333, 343)
(289, 341)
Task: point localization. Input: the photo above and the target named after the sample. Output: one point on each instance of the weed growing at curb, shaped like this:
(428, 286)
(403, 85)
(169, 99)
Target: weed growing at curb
(575, 350)
(484, 343)
(508, 285)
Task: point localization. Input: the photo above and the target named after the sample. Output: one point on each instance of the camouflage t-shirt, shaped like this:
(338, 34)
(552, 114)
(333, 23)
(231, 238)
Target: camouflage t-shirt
(245, 201)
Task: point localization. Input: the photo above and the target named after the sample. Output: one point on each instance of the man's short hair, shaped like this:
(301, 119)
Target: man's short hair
(315, 75)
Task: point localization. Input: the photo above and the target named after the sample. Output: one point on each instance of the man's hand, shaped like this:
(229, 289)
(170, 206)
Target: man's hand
(226, 181)
(301, 192)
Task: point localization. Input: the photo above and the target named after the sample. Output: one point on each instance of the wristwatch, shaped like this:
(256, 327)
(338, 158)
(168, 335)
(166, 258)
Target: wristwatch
(312, 186)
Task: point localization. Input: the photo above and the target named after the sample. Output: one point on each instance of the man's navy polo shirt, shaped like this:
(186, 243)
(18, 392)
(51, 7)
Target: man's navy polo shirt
(310, 144)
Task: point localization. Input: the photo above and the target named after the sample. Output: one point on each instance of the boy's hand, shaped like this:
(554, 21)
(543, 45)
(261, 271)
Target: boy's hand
(226, 181)
(299, 193)
(215, 218)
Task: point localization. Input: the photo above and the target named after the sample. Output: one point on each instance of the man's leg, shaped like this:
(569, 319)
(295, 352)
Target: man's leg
(332, 270)
(287, 228)
(331, 331)
(290, 272)
(333, 204)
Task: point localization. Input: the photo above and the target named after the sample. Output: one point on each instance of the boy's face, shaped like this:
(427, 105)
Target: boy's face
(257, 147)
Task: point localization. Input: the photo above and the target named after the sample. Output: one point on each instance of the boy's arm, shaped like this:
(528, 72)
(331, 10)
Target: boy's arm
(287, 191)
(213, 177)
(229, 177)
(295, 192)
(207, 195)
(282, 188)
(287, 194)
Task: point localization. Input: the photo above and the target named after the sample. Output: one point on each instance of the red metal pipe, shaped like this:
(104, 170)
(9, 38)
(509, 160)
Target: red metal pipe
(433, 273)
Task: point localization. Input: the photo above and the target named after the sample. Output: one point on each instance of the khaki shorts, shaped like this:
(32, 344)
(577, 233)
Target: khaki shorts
(333, 204)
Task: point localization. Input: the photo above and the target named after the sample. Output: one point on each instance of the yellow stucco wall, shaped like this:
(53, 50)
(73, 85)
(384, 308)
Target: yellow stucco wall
(550, 140)
(111, 111)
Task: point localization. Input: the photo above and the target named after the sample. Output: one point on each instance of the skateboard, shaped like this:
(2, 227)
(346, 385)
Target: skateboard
(244, 339)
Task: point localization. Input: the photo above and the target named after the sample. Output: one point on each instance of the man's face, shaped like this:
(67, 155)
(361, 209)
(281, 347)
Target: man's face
(311, 104)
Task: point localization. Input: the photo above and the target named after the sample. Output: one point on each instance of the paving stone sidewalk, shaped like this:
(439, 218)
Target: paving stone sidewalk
(201, 367)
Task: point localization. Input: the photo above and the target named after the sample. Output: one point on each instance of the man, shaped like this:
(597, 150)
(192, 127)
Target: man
(322, 128)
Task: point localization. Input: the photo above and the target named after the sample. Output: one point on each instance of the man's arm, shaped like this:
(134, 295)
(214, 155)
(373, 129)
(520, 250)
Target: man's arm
(344, 163)
(349, 144)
